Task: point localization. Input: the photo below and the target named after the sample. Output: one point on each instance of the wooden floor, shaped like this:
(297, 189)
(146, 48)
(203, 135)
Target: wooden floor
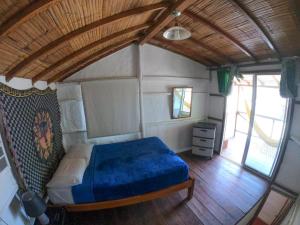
(223, 194)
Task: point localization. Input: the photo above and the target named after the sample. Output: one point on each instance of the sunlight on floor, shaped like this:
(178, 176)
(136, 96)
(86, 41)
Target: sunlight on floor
(261, 157)
(235, 148)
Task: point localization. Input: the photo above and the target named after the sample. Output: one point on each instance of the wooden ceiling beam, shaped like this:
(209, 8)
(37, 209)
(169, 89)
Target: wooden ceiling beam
(220, 31)
(103, 52)
(166, 18)
(257, 25)
(24, 14)
(180, 48)
(52, 45)
(211, 49)
(88, 48)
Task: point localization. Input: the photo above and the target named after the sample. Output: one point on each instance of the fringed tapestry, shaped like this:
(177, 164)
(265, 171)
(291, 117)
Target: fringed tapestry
(31, 120)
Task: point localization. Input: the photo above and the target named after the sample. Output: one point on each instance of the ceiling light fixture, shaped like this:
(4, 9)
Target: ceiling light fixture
(177, 32)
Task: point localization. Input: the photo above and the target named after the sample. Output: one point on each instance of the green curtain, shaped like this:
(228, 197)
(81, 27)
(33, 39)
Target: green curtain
(225, 78)
(288, 86)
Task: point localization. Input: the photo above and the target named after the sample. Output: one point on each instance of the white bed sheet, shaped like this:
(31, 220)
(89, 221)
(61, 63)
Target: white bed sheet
(60, 191)
(61, 196)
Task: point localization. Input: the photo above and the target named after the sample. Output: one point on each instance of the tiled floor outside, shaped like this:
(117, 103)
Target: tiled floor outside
(260, 155)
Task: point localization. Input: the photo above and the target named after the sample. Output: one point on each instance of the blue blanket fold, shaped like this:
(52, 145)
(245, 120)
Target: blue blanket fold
(130, 168)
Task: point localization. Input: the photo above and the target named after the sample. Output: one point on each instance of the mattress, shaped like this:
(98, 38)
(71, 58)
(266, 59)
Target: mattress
(127, 169)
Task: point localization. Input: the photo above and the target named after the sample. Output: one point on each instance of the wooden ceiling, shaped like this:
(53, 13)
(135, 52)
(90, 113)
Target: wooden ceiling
(52, 39)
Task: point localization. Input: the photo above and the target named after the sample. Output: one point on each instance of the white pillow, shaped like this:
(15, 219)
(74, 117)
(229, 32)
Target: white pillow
(69, 173)
(80, 151)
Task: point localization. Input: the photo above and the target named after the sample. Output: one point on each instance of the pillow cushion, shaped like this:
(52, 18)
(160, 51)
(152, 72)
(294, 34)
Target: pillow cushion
(80, 151)
(69, 173)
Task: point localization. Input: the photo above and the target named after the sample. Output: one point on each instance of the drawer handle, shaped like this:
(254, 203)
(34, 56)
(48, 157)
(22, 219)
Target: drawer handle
(204, 130)
(203, 140)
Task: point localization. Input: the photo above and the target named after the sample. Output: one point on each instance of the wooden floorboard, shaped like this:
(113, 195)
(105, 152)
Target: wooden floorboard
(223, 194)
(227, 203)
(246, 181)
(230, 186)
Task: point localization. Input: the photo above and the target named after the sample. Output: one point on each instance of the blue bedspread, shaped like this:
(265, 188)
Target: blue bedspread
(130, 168)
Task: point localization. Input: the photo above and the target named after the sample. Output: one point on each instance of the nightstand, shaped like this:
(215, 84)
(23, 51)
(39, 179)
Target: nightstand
(204, 139)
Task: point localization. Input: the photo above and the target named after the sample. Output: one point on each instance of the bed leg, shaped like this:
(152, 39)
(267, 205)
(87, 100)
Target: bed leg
(191, 189)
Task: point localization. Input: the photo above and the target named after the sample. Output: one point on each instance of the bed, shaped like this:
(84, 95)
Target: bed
(92, 177)
(125, 173)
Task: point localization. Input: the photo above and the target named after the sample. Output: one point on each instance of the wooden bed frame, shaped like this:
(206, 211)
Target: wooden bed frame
(189, 185)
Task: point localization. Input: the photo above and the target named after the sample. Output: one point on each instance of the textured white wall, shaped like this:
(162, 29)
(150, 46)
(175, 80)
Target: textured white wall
(160, 62)
(120, 64)
(72, 91)
(216, 108)
(161, 70)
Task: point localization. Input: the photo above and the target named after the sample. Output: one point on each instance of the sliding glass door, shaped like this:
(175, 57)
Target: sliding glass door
(239, 102)
(267, 121)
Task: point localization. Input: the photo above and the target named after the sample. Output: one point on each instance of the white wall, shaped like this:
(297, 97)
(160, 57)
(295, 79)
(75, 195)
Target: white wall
(160, 70)
(72, 91)
(121, 64)
(117, 66)
(159, 62)
(289, 172)
(216, 108)
(12, 213)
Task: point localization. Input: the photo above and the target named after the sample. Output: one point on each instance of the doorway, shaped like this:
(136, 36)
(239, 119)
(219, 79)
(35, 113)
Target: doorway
(236, 121)
(255, 123)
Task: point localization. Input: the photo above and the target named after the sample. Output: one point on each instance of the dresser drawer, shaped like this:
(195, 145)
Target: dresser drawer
(202, 151)
(203, 142)
(206, 133)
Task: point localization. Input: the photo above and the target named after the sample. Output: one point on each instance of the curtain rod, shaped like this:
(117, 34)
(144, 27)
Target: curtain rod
(262, 72)
(250, 65)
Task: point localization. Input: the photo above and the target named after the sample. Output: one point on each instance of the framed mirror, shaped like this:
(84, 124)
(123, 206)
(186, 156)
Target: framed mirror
(182, 102)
